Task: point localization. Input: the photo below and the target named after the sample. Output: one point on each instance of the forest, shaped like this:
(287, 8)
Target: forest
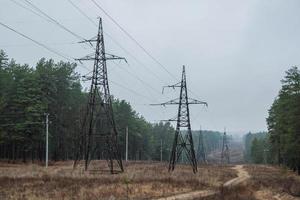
(27, 93)
(281, 144)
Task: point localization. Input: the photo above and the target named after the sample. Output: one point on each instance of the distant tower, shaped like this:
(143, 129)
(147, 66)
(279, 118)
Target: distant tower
(183, 140)
(225, 155)
(201, 154)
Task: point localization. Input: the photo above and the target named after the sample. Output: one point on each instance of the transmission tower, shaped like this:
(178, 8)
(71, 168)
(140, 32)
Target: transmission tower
(225, 155)
(201, 155)
(183, 140)
(98, 133)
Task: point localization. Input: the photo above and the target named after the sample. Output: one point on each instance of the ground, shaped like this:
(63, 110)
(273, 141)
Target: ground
(140, 180)
(147, 180)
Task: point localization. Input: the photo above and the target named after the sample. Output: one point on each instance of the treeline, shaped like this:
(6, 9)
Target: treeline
(27, 93)
(257, 148)
(212, 140)
(284, 122)
(281, 145)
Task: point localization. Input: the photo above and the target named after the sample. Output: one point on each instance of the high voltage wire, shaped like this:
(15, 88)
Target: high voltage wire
(124, 87)
(134, 91)
(133, 39)
(115, 41)
(132, 74)
(36, 42)
(138, 78)
(82, 12)
(26, 8)
(42, 45)
(48, 18)
(53, 20)
(60, 54)
(136, 42)
(129, 35)
(55, 44)
(128, 89)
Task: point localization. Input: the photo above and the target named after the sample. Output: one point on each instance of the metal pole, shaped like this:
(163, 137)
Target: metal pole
(47, 135)
(161, 149)
(126, 156)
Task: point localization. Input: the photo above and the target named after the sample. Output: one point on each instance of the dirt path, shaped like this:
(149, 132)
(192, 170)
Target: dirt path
(268, 194)
(190, 195)
(242, 177)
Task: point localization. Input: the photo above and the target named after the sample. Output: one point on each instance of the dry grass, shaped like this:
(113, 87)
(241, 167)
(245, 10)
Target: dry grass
(141, 180)
(275, 180)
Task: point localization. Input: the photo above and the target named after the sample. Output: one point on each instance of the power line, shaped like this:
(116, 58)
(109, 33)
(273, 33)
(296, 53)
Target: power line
(49, 19)
(138, 78)
(21, 45)
(135, 76)
(134, 57)
(42, 45)
(128, 89)
(115, 41)
(53, 20)
(82, 12)
(131, 90)
(26, 8)
(133, 39)
(36, 42)
(137, 43)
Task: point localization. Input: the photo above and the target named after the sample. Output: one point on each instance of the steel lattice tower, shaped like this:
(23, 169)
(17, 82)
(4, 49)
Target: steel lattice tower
(183, 141)
(225, 149)
(201, 155)
(98, 134)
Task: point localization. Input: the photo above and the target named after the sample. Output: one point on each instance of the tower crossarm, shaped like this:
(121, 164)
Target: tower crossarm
(176, 102)
(171, 86)
(195, 101)
(107, 57)
(171, 102)
(114, 57)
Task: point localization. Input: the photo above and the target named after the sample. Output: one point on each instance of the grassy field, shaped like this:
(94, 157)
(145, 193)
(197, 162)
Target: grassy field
(141, 180)
(274, 181)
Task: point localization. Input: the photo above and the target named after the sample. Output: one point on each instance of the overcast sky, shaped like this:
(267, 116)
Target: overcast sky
(235, 52)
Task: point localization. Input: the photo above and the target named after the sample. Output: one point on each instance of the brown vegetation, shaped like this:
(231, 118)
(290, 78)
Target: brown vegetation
(280, 183)
(140, 181)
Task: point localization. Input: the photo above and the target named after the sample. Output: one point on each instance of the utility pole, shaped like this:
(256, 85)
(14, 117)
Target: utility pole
(98, 133)
(47, 137)
(225, 149)
(161, 149)
(183, 140)
(126, 156)
(265, 155)
(201, 155)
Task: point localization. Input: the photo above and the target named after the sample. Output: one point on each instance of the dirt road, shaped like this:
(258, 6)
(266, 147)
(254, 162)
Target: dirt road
(242, 178)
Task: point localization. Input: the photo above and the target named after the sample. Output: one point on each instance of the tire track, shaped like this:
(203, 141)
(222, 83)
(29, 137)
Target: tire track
(242, 174)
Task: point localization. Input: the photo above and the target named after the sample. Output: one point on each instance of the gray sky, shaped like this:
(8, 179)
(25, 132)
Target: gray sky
(235, 51)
